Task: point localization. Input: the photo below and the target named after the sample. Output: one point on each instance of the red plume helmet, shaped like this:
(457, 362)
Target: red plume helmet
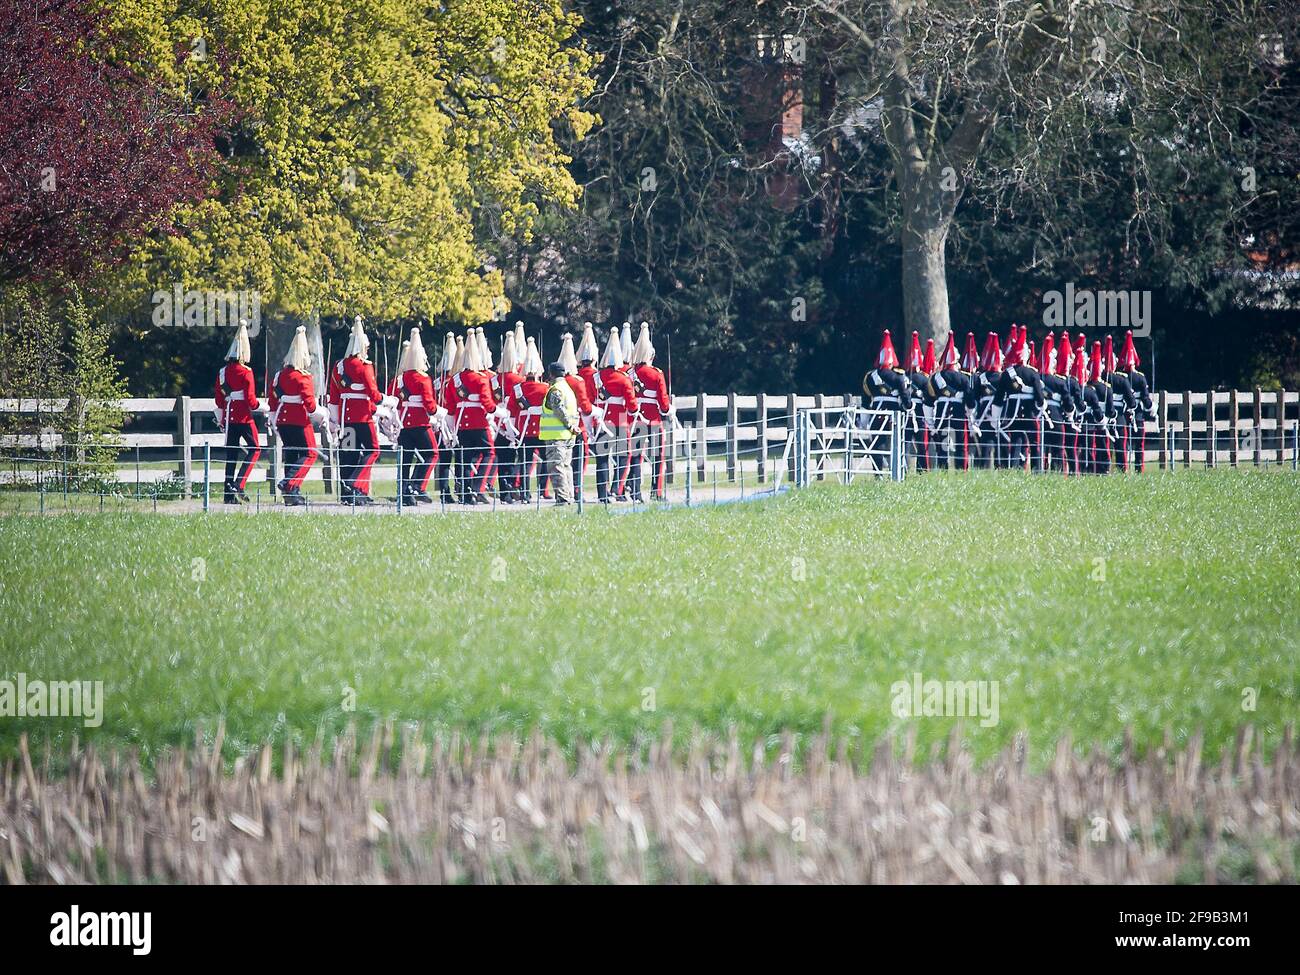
(927, 361)
(970, 360)
(914, 356)
(1064, 356)
(950, 359)
(1080, 371)
(1047, 359)
(1094, 372)
(1128, 359)
(992, 358)
(1031, 356)
(1108, 354)
(888, 358)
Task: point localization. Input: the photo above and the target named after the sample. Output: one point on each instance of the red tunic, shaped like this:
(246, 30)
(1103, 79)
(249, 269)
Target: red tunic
(470, 400)
(503, 385)
(352, 385)
(527, 397)
(293, 398)
(415, 390)
(653, 397)
(614, 392)
(236, 392)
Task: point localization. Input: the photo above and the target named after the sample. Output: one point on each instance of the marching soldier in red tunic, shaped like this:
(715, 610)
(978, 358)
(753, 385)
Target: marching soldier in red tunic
(471, 403)
(354, 398)
(508, 443)
(294, 408)
(918, 439)
(649, 434)
(417, 412)
(616, 396)
(527, 396)
(578, 384)
(1146, 410)
(236, 396)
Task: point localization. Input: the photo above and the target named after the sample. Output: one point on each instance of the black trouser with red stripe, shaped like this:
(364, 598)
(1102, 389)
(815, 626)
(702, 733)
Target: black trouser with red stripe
(419, 454)
(358, 450)
(236, 434)
(299, 452)
(510, 471)
(473, 462)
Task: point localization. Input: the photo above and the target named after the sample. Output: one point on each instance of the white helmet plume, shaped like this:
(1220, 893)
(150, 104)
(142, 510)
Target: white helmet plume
(625, 340)
(613, 357)
(643, 352)
(567, 358)
(299, 354)
(532, 360)
(240, 350)
(509, 360)
(484, 350)
(458, 361)
(448, 359)
(358, 342)
(469, 360)
(587, 349)
(413, 355)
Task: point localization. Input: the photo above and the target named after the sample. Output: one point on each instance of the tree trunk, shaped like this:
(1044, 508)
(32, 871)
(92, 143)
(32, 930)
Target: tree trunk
(925, 282)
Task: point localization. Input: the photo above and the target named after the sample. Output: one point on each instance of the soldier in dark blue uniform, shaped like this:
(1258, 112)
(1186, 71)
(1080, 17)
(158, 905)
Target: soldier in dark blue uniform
(985, 382)
(918, 431)
(1100, 427)
(950, 404)
(1059, 406)
(1131, 435)
(887, 388)
(1019, 400)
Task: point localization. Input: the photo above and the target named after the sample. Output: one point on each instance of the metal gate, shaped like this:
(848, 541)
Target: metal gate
(844, 442)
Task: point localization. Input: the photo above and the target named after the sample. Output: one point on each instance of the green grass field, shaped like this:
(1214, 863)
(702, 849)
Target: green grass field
(1095, 603)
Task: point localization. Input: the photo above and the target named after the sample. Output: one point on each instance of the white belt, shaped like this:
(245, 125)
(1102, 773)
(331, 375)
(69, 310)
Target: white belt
(234, 395)
(415, 401)
(1022, 396)
(884, 399)
(353, 396)
(648, 401)
(615, 401)
(291, 398)
(532, 411)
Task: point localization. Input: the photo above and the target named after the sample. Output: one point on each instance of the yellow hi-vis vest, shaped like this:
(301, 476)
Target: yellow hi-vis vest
(551, 426)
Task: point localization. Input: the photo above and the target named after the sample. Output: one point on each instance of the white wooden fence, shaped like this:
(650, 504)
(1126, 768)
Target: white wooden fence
(1209, 429)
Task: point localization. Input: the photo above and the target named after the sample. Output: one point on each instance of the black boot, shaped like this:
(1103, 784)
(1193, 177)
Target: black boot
(231, 494)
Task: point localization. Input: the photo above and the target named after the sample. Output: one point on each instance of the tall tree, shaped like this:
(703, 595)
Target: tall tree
(91, 154)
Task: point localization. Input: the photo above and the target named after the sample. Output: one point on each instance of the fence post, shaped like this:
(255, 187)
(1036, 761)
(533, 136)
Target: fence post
(1209, 430)
(701, 427)
(1162, 414)
(186, 470)
(1281, 427)
(733, 437)
(1234, 420)
(670, 445)
(820, 402)
(399, 480)
(207, 464)
(689, 479)
(762, 437)
(1259, 426)
(1187, 459)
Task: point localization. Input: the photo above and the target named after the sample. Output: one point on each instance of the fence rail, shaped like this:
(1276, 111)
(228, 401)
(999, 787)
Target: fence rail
(716, 433)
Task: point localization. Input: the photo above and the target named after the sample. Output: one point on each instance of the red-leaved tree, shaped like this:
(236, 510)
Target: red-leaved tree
(91, 154)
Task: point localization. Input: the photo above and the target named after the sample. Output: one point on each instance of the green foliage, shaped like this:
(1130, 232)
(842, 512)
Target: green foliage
(945, 575)
(379, 145)
(50, 353)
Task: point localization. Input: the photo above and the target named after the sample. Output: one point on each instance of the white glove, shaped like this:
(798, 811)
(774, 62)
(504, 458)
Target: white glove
(440, 412)
(219, 417)
(388, 403)
(501, 413)
(597, 415)
(320, 416)
(263, 407)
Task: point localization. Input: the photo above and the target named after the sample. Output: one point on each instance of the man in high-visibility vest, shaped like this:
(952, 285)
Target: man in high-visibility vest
(557, 428)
